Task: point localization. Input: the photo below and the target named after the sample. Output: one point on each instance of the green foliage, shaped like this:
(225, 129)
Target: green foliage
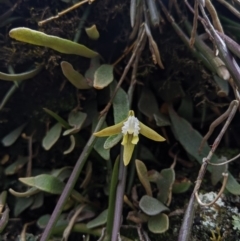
(59, 44)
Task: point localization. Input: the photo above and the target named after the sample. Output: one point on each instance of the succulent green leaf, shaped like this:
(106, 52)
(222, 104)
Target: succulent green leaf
(76, 120)
(72, 145)
(120, 104)
(164, 184)
(146, 154)
(44, 182)
(190, 140)
(21, 204)
(99, 144)
(143, 176)
(158, 223)
(94, 65)
(59, 44)
(16, 166)
(103, 76)
(186, 108)
(57, 118)
(28, 193)
(76, 79)
(147, 96)
(100, 220)
(113, 140)
(161, 120)
(10, 138)
(38, 201)
(92, 32)
(62, 173)
(151, 206)
(181, 186)
(216, 174)
(22, 76)
(112, 197)
(52, 136)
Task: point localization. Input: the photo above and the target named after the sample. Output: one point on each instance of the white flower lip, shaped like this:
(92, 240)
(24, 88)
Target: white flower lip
(131, 126)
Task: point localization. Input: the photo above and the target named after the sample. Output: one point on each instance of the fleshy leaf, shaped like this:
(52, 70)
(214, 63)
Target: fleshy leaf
(38, 201)
(158, 223)
(22, 204)
(22, 76)
(44, 182)
(161, 120)
(190, 140)
(181, 186)
(99, 144)
(146, 154)
(76, 120)
(147, 103)
(112, 141)
(103, 76)
(76, 79)
(59, 44)
(94, 65)
(57, 118)
(164, 183)
(72, 145)
(92, 32)
(28, 193)
(151, 206)
(143, 176)
(186, 108)
(16, 166)
(10, 138)
(52, 136)
(120, 104)
(216, 173)
(100, 220)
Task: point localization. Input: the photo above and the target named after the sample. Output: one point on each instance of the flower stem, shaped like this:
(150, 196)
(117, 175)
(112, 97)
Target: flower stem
(71, 182)
(122, 174)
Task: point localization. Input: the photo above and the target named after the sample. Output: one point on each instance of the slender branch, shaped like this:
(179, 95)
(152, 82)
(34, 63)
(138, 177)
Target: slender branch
(139, 41)
(122, 175)
(71, 182)
(64, 12)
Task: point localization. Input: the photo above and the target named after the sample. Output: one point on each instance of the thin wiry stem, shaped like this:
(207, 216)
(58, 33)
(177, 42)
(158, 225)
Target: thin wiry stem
(185, 231)
(195, 24)
(41, 23)
(122, 175)
(71, 182)
(135, 51)
(230, 7)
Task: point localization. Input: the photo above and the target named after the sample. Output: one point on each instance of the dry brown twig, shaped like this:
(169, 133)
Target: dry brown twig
(76, 5)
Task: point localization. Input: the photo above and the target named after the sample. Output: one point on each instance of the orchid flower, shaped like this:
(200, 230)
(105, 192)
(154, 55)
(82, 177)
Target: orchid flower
(130, 128)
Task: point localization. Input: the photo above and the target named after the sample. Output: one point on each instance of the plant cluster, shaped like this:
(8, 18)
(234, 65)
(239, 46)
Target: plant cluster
(115, 187)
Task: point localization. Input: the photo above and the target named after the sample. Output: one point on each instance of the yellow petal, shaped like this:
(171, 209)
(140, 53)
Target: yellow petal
(135, 140)
(149, 133)
(109, 131)
(125, 139)
(128, 151)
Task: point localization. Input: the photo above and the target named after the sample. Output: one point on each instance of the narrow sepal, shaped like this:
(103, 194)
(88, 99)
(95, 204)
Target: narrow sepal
(128, 151)
(149, 133)
(109, 131)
